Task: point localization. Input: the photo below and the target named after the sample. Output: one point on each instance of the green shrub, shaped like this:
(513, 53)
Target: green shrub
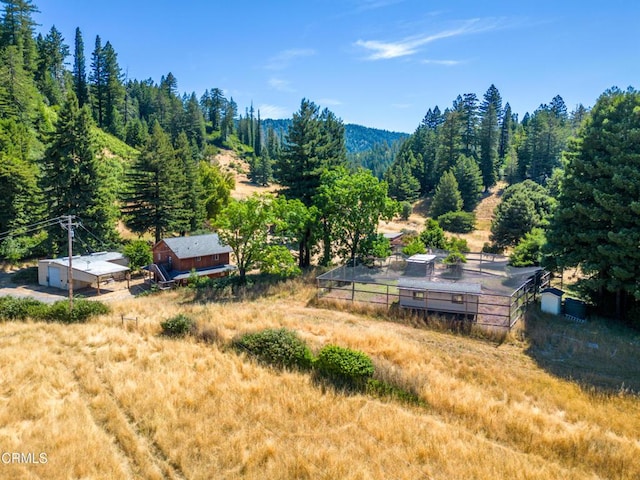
(82, 311)
(279, 347)
(414, 247)
(178, 326)
(405, 210)
(12, 308)
(346, 368)
(458, 222)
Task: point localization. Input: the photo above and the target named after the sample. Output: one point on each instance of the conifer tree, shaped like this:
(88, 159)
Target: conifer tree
(97, 83)
(491, 111)
(52, 53)
(79, 71)
(469, 180)
(73, 181)
(155, 199)
(597, 222)
(447, 197)
(17, 29)
(192, 188)
(315, 142)
(113, 92)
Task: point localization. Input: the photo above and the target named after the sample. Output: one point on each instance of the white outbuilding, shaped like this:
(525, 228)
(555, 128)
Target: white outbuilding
(551, 300)
(87, 270)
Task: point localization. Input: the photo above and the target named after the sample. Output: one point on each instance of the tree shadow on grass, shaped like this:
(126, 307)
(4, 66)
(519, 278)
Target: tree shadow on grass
(598, 354)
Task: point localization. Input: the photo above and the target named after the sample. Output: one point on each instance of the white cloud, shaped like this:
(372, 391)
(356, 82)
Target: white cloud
(411, 45)
(283, 59)
(446, 63)
(273, 111)
(281, 85)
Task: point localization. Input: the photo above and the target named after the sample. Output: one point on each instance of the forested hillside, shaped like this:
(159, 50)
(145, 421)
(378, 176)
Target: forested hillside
(86, 141)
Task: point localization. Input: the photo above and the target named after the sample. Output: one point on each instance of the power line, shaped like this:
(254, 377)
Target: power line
(31, 228)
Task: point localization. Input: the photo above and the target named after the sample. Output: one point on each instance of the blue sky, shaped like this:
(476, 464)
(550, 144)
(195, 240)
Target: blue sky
(378, 63)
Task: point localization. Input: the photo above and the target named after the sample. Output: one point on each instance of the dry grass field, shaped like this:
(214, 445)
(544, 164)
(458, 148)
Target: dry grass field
(107, 401)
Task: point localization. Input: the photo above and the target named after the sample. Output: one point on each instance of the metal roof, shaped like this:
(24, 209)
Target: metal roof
(204, 272)
(196, 246)
(421, 258)
(96, 268)
(449, 287)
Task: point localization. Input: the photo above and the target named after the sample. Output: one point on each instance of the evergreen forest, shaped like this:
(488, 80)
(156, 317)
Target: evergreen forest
(77, 137)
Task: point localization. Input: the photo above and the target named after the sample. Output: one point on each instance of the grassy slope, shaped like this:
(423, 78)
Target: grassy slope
(107, 401)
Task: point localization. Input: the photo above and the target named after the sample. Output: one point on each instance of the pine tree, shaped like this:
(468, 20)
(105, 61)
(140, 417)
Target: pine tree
(449, 141)
(193, 123)
(97, 83)
(79, 71)
(491, 111)
(447, 197)
(192, 189)
(469, 178)
(154, 202)
(73, 181)
(113, 92)
(315, 142)
(52, 53)
(597, 222)
(17, 30)
(506, 133)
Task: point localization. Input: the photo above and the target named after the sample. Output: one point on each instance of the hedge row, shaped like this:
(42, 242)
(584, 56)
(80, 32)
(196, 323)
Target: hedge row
(12, 308)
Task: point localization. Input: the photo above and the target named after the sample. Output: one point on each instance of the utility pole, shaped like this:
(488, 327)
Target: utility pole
(70, 270)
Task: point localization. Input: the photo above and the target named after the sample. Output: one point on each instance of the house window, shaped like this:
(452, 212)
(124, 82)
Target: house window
(198, 259)
(216, 257)
(457, 298)
(418, 295)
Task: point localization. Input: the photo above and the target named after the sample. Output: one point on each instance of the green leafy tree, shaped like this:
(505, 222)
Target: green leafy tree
(433, 235)
(74, 182)
(447, 197)
(597, 223)
(139, 254)
(293, 226)
(155, 198)
(355, 204)
(528, 252)
(216, 188)
(244, 226)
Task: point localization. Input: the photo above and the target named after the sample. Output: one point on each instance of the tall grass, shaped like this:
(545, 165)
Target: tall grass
(111, 401)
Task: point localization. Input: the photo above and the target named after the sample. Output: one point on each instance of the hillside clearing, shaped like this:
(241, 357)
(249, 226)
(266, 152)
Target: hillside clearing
(107, 401)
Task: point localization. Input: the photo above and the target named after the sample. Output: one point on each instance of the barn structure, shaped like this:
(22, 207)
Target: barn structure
(176, 259)
(484, 289)
(87, 270)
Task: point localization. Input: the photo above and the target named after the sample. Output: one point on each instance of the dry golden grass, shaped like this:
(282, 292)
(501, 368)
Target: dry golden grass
(107, 401)
(229, 161)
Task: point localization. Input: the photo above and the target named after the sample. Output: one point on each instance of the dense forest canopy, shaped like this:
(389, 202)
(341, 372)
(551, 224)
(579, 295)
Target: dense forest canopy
(77, 137)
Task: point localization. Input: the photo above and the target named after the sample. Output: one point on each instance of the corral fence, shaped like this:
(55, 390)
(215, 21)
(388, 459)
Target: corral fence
(380, 287)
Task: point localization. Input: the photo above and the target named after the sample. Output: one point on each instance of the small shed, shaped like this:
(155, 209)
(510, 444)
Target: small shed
(551, 300)
(420, 265)
(439, 297)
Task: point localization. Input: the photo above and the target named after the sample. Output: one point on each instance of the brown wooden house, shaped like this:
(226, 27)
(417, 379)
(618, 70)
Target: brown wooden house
(176, 258)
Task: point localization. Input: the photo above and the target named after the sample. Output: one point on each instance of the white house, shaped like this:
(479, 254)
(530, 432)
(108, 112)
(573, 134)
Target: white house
(86, 270)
